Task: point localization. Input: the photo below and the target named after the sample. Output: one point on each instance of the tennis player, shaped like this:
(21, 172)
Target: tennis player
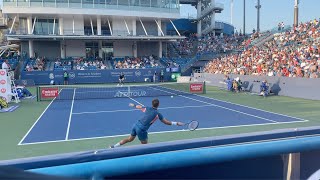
(121, 79)
(141, 127)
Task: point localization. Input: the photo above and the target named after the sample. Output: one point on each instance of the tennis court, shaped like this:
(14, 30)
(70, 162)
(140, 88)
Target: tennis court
(82, 113)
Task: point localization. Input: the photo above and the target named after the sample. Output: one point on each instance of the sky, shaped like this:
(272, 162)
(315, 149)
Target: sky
(271, 13)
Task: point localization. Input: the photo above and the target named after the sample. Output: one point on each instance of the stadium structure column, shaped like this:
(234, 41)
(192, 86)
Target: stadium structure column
(31, 50)
(199, 20)
(160, 49)
(99, 27)
(63, 49)
(159, 30)
(61, 26)
(29, 24)
(100, 48)
(134, 27)
(135, 49)
(213, 16)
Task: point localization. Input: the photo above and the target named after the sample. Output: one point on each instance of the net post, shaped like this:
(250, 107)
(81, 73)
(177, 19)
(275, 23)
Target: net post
(204, 87)
(38, 94)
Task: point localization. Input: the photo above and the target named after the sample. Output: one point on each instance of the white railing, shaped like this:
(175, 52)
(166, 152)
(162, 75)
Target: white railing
(170, 6)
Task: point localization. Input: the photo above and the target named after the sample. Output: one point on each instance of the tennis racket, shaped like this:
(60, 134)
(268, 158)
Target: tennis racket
(192, 125)
(131, 105)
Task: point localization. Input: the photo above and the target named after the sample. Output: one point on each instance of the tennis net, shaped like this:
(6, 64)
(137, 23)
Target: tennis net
(77, 92)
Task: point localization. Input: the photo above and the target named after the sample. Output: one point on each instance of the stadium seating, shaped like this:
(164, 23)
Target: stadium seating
(293, 53)
(215, 44)
(38, 64)
(135, 63)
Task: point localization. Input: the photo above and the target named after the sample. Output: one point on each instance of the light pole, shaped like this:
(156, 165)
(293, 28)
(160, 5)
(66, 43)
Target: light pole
(231, 7)
(244, 17)
(258, 6)
(296, 13)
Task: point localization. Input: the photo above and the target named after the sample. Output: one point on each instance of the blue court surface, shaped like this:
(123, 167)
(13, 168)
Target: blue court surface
(73, 119)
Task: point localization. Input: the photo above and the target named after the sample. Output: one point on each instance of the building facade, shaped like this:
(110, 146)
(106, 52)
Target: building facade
(91, 28)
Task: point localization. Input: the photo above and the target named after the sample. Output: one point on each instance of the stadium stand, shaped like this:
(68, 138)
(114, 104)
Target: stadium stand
(38, 64)
(136, 63)
(186, 47)
(62, 64)
(89, 64)
(214, 44)
(293, 53)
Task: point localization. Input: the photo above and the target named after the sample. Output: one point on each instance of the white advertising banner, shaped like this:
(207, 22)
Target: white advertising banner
(5, 87)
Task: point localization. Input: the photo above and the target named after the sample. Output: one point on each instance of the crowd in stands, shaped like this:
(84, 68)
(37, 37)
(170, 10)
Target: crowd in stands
(185, 46)
(136, 63)
(62, 64)
(212, 43)
(83, 64)
(294, 53)
(37, 64)
(79, 64)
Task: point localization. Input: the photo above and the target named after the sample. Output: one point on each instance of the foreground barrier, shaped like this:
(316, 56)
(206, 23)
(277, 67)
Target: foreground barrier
(255, 155)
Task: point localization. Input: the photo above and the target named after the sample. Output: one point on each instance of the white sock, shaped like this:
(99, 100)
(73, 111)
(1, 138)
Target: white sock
(117, 145)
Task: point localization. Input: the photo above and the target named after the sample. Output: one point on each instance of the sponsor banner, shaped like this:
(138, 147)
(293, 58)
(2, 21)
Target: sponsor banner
(175, 76)
(49, 93)
(93, 76)
(3, 72)
(196, 88)
(130, 94)
(3, 81)
(5, 87)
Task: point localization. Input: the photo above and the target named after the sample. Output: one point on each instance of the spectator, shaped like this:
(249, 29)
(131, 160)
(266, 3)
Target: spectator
(137, 63)
(237, 84)
(65, 78)
(162, 76)
(6, 65)
(154, 76)
(264, 88)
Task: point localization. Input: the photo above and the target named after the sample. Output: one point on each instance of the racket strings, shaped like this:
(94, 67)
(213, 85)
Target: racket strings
(193, 125)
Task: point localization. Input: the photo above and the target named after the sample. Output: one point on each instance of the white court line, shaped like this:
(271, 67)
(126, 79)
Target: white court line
(266, 119)
(38, 119)
(200, 129)
(70, 116)
(239, 105)
(95, 92)
(129, 110)
(135, 101)
(132, 99)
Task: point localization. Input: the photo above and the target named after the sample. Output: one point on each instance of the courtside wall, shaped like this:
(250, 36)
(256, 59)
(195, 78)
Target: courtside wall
(293, 87)
(94, 76)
